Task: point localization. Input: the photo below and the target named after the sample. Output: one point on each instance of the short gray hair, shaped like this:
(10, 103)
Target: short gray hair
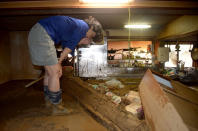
(97, 28)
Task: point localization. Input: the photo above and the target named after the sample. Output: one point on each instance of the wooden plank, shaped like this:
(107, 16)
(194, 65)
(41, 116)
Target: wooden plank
(185, 92)
(101, 11)
(69, 4)
(33, 82)
(187, 110)
(159, 111)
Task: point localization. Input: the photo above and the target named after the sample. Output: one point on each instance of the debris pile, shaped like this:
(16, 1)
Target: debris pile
(111, 88)
(116, 99)
(114, 83)
(135, 106)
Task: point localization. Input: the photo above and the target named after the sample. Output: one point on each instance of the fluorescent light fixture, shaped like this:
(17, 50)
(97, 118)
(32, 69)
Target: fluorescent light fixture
(106, 1)
(138, 26)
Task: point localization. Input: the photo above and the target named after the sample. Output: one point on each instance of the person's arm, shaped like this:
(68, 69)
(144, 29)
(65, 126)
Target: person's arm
(64, 54)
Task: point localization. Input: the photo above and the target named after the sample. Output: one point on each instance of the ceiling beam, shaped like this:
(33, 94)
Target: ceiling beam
(181, 27)
(69, 4)
(79, 11)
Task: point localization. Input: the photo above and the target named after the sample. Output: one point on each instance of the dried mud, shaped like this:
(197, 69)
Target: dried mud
(22, 109)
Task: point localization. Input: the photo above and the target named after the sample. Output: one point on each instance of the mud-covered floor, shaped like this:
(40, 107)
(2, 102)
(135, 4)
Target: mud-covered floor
(22, 109)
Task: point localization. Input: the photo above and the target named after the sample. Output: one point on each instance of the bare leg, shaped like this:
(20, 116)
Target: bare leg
(54, 72)
(45, 89)
(53, 75)
(46, 76)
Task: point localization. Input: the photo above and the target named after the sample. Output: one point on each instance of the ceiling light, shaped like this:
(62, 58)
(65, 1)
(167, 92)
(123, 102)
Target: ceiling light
(106, 1)
(138, 26)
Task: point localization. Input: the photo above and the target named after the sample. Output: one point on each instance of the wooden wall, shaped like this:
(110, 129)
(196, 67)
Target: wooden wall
(5, 67)
(21, 65)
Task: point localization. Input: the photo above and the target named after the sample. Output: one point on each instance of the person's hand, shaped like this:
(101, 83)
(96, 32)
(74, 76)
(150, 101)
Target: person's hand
(84, 41)
(59, 70)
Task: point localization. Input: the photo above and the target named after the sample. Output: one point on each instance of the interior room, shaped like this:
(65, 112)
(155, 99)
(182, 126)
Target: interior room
(141, 76)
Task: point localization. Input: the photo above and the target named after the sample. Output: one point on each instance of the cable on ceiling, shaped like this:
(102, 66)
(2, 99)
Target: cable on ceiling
(129, 33)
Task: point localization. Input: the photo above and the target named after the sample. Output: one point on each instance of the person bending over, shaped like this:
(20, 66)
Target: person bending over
(43, 37)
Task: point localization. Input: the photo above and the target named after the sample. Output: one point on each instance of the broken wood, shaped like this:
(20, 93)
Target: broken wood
(159, 111)
(33, 82)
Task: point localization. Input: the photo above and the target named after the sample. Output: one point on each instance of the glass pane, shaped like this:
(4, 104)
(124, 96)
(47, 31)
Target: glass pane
(172, 57)
(184, 56)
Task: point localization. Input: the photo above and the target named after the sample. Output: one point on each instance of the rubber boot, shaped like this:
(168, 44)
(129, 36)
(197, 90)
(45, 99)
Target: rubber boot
(60, 109)
(48, 103)
(56, 104)
(46, 97)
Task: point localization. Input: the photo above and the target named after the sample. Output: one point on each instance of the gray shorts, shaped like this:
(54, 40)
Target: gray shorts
(41, 47)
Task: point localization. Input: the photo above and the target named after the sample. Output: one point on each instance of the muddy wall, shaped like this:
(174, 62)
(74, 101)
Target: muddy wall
(5, 68)
(21, 65)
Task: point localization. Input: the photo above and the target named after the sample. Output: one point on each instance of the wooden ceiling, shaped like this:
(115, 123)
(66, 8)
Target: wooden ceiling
(21, 15)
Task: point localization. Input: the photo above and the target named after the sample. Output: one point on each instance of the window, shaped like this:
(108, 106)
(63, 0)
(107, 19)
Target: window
(184, 55)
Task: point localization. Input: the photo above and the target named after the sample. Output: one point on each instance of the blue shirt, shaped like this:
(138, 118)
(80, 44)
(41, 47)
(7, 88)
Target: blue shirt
(65, 30)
